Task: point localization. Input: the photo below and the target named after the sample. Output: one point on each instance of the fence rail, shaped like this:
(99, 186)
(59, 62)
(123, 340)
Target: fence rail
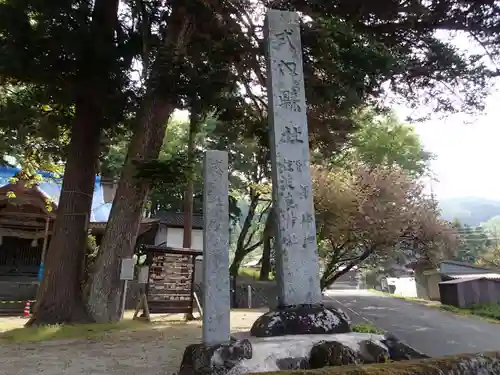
(14, 308)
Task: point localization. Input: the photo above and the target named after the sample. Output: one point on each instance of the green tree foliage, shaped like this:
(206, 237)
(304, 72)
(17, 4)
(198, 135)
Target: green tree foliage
(473, 242)
(423, 64)
(382, 140)
(490, 256)
(28, 137)
(492, 228)
(168, 172)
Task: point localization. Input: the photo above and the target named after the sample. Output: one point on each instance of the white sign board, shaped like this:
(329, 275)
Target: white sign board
(143, 275)
(127, 269)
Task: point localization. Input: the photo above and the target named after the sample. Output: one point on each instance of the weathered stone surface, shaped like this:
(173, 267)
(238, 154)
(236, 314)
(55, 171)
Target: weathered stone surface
(216, 298)
(300, 320)
(463, 364)
(332, 353)
(399, 351)
(196, 360)
(372, 352)
(199, 359)
(294, 352)
(342, 314)
(297, 266)
(291, 363)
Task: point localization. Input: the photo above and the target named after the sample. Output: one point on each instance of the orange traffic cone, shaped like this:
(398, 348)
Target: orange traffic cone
(27, 309)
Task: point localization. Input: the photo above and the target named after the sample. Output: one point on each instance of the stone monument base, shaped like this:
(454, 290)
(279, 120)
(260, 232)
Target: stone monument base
(301, 320)
(200, 359)
(247, 354)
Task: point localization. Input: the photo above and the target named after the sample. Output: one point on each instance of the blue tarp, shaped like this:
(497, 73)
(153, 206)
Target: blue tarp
(52, 187)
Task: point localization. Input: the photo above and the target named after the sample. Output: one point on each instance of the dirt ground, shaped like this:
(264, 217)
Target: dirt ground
(155, 350)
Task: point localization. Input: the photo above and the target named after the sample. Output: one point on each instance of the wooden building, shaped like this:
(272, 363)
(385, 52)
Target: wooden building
(27, 215)
(26, 218)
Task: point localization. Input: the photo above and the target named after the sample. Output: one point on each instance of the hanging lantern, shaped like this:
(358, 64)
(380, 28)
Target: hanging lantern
(34, 243)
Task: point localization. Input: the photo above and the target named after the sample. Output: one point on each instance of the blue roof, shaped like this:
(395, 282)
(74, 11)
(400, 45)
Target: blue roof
(52, 187)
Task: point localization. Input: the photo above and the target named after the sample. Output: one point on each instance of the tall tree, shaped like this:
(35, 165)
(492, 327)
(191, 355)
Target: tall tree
(39, 47)
(383, 140)
(180, 44)
(490, 257)
(129, 203)
(473, 242)
(371, 215)
(267, 243)
(56, 302)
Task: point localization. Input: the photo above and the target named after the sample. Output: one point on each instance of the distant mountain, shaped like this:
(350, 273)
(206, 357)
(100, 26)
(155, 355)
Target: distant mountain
(469, 210)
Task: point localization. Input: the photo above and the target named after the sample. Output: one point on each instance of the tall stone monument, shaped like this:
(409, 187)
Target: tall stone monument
(218, 352)
(297, 265)
(216, 303)
(300, 311)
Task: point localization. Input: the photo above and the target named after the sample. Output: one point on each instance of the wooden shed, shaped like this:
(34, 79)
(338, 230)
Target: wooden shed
(466, 292)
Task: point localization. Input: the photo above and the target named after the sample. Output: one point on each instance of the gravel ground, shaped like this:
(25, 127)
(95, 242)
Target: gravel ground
(157, 350)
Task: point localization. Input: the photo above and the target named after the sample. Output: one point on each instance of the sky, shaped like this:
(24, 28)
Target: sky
(466, 150)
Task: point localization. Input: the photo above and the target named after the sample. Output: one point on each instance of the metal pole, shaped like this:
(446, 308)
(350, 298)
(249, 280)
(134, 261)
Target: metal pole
(44, 248)
(249, 291)
(124, 298)
(232, 280)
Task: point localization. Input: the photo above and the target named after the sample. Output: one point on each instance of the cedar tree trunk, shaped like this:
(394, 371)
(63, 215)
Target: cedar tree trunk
(241, 252)
(59, 298)
(126, 213)
(188, 194)
(265, 267)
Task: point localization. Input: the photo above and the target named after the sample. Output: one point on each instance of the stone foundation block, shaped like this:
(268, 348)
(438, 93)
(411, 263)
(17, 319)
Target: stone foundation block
(199, 359)
(301, 320)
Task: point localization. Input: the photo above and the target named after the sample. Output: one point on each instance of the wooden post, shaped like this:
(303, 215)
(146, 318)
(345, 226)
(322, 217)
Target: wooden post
(44, 248)
(45, 239)
(142, 303)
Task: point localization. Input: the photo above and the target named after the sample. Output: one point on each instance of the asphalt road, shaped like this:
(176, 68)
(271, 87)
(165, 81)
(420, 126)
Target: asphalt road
(428, 330)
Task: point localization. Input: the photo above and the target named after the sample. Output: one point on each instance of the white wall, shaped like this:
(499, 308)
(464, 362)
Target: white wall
(161, 235)
(173, 237)
(405, 286)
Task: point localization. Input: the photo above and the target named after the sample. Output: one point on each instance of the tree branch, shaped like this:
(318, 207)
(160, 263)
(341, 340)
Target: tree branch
(347, 268)
(253, 247)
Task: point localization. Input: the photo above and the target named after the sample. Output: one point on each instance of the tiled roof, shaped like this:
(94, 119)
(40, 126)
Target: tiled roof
(176, 219)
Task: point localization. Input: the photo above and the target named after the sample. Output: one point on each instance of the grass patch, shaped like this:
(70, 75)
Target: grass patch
(66, 331)
(366, 328)
(490, 312)
(163, 325)
(252, 272)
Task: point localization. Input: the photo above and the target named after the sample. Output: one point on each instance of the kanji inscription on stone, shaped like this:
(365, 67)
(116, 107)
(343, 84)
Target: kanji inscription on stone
(297, 265)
